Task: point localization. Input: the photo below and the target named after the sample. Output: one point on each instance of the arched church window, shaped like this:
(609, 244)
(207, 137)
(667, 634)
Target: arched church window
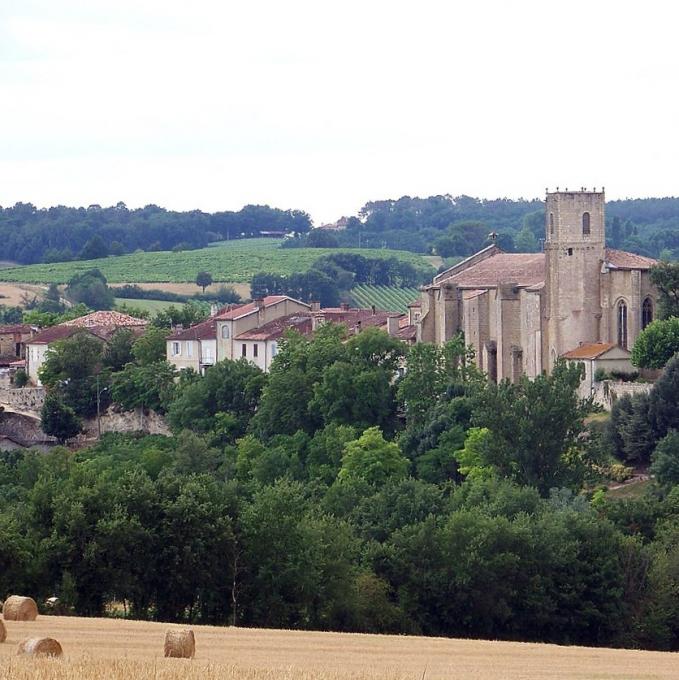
(585, 224)
(551, 223)
(622, 324)
(646, 312)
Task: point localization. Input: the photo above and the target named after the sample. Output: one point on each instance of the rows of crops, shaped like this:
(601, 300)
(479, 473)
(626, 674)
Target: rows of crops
(232, 262)
(387, 298)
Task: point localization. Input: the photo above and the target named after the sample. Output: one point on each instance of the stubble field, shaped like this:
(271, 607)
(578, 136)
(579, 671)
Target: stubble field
(113, 649)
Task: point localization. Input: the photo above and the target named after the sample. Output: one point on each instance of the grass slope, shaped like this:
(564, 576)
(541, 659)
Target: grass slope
(233, 261)
(151, 306)
(386, 298)
(116, 649)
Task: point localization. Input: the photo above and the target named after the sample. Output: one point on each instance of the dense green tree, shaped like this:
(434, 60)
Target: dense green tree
(203, 279)
(298, 366)
(148, 386)
(664, 400)
(118, 350)
(665, 276)
(232, 387)
(71, 367)
(90, 288)
(150, 348)
(536, 427)
(657, 343)
(94, 249)
(321, 238)
(665, 460)
(373, 459)
(58, 419)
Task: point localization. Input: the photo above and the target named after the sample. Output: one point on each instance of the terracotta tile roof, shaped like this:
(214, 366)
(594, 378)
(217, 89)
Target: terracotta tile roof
(207, 330)
(619, 259)
(17, 328)
(407, 333)
(354, 317)
(106, 318)
(55, 333)
(272, 330)
(524, 269)
(250, 307)
(590, 350)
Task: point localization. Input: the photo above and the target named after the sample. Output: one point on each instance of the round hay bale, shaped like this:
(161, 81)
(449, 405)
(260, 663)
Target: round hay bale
(180, 644)
(40, 647)
(3, 632)
(18, 608)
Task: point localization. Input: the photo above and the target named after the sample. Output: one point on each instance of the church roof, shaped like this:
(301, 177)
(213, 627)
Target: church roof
(523, 269)
(590, 350)
(619, 259)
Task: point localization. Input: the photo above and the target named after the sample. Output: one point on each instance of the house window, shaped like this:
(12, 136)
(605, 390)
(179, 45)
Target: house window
(551, 223)
(189, 348)
(585, 224)
(646, 312)
(274, 349)
(255, 350)
(225, 332)
(570, 252)
(622, 324)
(244, 350)
(176, 348)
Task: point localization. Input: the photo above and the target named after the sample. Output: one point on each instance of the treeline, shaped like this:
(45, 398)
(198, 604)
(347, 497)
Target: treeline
(451, 226)
(327, 495)
(331, 277)
(460, 225)
(57, 234)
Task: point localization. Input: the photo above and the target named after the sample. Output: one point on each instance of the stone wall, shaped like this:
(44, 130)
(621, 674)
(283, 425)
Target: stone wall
(29, 399)
(115, 420)
(607, 392)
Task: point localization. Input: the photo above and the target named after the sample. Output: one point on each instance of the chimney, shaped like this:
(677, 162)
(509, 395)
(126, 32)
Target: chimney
(315, 306)
(344, 307)
(214, 309)
(393, 324)
(259, 303)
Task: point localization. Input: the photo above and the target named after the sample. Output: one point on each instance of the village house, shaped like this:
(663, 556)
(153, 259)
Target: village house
(522, 311)
(252, 331)
(603, 357)
(13, 341)
(101, 325)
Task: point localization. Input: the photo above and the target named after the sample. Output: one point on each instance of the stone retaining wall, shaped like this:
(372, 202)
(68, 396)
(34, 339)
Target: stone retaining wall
(607, 392)
(23, 398)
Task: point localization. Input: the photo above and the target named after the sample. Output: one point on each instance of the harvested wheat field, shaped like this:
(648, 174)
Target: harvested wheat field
(105, 649)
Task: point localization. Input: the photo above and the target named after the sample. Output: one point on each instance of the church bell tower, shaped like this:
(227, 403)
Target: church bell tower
(574, 251)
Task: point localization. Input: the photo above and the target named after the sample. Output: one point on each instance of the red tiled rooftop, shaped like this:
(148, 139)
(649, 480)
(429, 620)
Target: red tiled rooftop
(207, 330)
(17, 328)
(272, 330)
(250, 307)
(624, 260)
(524, 269)
(105, 318)
(590, 350)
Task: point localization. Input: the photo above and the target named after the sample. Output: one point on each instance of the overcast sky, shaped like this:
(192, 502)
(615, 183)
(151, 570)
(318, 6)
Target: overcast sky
(323, 106)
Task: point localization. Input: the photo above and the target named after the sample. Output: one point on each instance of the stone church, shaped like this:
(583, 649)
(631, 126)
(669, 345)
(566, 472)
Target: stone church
(521, 311)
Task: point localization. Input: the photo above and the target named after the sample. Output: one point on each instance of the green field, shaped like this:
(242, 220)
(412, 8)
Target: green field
(232, 261)
(387, 298)
(151, 306)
